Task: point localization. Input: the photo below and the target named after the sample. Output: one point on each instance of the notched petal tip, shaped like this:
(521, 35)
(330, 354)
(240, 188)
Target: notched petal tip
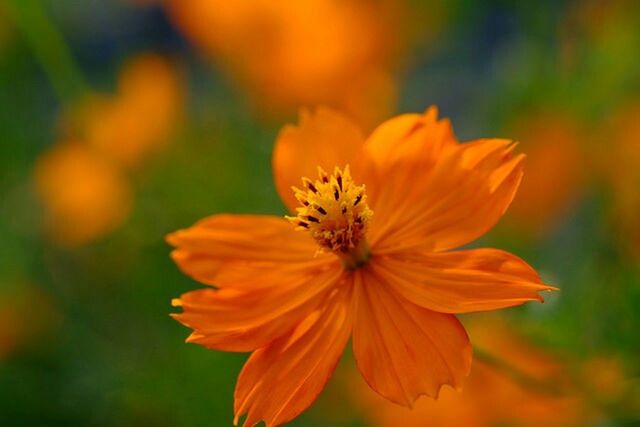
(306, 357)
(457, 387)
(545, 288)
(194, 338)
(178, 255)
(179, 317)
(404, 351)
(432, 112)
(172, 238)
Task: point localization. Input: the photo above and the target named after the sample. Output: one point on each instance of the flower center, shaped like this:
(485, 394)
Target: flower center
(334, 210)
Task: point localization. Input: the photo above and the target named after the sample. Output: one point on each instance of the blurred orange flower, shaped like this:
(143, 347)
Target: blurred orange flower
(6, 29)
(556, 168)
(84, 195)
(611, 386)
(16, 328)
(376, 264)
(292, 53)
(82, 181)
(605, 378)
(531, 389)
(598, 20)
(618, 157)
(141, 117)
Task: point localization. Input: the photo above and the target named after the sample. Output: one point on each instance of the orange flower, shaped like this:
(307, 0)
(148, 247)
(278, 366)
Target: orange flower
(373, 263)
(139, 119)
(597, 20)
(618, 160)
(606, 379)
(291, 53)
(81, 181)
(84, 196)
(16, 329)
(6, 30)
(532, 380)
(555, 171)
(610, 385)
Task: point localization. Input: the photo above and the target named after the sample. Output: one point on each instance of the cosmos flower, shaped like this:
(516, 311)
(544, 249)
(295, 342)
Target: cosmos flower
(82, 180)
(84, 196)
(290, 53)
(617, 161)
(139, 119)
(556, 169)
(6, 29)
(17, 331)
(367, 253)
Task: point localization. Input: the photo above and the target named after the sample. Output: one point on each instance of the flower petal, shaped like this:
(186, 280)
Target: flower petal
(399, 150)
(409, 137)
(323, 138)
(449, 205)
(461, 281)
(230, 319)
(403, 350)
(281, 380)
(239, 250)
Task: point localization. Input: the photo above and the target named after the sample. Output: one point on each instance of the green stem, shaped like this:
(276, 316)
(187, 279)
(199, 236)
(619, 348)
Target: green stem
(49, 48)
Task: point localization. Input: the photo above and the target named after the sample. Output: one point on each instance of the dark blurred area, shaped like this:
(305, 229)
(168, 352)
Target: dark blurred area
(121, 121)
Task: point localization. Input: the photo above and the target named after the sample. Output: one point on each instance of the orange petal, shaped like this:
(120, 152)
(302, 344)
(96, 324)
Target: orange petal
(400, 151)
(323, 138)
(281, 380)
(403, 350)
(244, 320)
(409, 137)
(237, 250)
(462, 281)
(454, 203)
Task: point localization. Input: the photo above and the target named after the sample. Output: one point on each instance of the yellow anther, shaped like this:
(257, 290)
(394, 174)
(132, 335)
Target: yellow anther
(334, 210)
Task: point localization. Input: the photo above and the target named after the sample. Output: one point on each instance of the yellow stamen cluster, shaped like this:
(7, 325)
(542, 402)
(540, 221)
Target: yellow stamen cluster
(334, 210)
